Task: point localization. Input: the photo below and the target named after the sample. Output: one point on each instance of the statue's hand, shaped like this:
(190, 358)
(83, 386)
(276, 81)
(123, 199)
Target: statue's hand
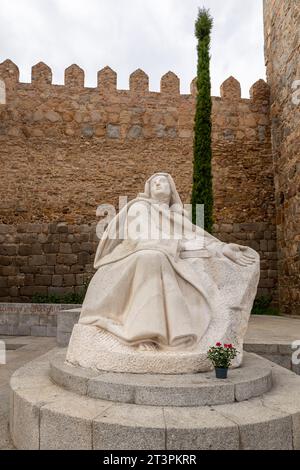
(238, 254)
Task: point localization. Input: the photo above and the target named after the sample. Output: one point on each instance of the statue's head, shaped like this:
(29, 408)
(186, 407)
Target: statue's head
(160, 188)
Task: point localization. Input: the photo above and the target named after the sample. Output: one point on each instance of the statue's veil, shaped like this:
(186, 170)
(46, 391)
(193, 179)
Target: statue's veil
(175, 198)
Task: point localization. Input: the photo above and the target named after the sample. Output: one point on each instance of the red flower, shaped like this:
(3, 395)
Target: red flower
(225, 345)
(218, 344)
(229, 346)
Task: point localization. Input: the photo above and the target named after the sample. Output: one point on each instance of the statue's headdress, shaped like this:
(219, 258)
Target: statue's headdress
(175, 201)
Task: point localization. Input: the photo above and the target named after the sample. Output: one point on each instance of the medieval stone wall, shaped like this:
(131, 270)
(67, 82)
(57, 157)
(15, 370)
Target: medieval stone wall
(282, 52)
(57, 258)
(66, 149)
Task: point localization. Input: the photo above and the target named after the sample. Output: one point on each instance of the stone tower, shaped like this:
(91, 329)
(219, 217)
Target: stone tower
(282, 54)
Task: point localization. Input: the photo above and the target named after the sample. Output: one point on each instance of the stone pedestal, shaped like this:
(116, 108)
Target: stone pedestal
(56, 406)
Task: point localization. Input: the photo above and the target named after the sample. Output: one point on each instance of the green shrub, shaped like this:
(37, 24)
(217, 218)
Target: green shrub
(71, 298)
(262, 306)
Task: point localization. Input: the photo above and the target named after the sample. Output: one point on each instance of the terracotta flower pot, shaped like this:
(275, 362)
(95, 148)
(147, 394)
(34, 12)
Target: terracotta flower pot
(221, 372)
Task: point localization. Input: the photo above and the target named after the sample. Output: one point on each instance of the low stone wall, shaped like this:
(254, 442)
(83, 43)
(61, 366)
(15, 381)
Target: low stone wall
(65, 324)
(281, 354)
(30, 319)
(45, 259)
(58, 258)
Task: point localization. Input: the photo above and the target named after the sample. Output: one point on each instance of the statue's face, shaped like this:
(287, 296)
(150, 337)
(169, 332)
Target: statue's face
(160, 187)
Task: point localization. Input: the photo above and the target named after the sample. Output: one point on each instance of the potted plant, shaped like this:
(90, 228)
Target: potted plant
(221, 357)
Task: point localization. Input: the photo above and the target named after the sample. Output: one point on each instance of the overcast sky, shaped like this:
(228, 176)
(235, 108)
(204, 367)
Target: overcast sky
(154, 35)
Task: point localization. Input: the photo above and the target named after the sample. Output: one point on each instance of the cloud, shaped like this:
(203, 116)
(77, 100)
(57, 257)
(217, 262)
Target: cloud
(155, 35)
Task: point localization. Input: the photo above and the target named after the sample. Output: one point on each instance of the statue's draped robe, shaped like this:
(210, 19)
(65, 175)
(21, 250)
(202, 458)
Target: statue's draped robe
(143, 290)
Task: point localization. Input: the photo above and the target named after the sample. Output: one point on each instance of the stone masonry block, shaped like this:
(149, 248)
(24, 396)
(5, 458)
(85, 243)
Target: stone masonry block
(128, 427)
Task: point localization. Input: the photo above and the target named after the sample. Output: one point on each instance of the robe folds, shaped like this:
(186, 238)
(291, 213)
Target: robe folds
(145, 290)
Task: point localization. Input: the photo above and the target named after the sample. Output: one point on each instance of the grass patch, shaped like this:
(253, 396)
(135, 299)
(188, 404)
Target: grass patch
(73, 298)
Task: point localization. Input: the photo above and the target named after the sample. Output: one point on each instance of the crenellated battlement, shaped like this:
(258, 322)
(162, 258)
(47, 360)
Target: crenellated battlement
(74, 78)
(43, 109)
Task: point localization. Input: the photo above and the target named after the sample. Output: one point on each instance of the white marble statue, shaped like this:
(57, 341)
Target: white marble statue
(164, 290)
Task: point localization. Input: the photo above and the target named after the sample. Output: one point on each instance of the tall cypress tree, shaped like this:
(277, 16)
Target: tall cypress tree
(202, 192)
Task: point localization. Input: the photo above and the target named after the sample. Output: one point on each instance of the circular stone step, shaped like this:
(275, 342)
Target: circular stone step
(46, 416)
(252, 379)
